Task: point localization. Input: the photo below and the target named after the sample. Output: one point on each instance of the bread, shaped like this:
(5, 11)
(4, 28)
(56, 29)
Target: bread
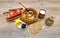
(35, 27)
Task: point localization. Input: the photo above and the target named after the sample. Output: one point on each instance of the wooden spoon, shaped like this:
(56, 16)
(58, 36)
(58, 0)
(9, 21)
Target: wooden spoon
(23, 6)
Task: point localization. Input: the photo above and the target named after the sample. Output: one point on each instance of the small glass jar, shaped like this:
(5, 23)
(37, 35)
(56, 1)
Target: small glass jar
(42, 13)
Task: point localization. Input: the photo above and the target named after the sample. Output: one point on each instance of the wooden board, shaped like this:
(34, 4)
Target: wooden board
(34, 28)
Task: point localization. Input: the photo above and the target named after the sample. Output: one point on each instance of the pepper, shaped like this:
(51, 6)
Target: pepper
(17, 21)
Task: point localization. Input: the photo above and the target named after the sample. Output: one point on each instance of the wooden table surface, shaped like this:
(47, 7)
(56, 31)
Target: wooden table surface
(8, 30)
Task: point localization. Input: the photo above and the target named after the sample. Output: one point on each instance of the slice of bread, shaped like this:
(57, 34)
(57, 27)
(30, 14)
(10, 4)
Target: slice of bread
(35, 28)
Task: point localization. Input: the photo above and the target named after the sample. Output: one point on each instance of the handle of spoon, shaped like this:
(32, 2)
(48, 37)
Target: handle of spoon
(23, 6)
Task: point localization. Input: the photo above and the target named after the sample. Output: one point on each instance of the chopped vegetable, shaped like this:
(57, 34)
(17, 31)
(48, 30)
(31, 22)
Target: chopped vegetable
(18, 21)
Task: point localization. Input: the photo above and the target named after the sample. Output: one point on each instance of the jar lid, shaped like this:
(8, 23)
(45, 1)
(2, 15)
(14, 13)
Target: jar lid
(42, 11)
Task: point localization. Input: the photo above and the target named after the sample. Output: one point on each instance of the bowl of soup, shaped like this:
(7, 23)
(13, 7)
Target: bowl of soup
(29, 16)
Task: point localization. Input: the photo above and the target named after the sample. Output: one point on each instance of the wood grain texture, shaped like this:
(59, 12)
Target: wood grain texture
(3, 0)
(8, 30)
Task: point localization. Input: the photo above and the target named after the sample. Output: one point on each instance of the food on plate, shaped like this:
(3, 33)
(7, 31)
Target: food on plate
(42, 13)
(13, 18)
(14, 14)
(35, 27)
(30, 16)
(49, 21)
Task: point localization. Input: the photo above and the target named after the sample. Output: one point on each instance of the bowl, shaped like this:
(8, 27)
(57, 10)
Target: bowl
(30, 16)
